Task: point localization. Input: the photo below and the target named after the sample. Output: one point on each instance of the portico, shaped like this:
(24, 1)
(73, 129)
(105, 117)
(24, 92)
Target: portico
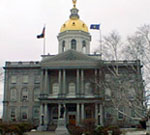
(70, 83)
(74, 115)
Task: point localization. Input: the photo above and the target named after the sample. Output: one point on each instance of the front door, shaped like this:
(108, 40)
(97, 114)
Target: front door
(72, 120)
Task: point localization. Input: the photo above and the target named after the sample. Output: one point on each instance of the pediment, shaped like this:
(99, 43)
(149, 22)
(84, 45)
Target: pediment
(70, 57)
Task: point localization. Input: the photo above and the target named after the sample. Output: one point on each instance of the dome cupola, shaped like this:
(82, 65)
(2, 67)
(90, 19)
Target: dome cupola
(74, 23)
(74, 34)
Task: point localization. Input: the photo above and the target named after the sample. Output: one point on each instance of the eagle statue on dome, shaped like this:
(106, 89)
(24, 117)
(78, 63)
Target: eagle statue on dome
(74, 3)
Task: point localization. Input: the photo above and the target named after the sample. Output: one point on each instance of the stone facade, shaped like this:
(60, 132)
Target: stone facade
(34, 91)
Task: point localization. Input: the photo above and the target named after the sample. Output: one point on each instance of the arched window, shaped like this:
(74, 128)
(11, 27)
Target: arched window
(25, 94)
(107, 93)
(84, 46)
(72, 89)
(13, 94)
(88, 88)
(55, 89)
(36, 112)
(73, 44)
(63, 46)
(36, 94)
(24, 113)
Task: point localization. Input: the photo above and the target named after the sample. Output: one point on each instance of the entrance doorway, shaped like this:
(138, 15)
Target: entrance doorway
(72, 119)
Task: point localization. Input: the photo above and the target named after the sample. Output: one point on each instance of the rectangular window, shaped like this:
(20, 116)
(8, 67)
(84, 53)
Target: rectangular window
(25, 79)
(120, 115)
(24, 113)
(36, 112)
(108, 77)
(133, 113)
(107, 94)
(13, 114)
(13, 94)
(13, 79)
(37, 79)
(108, 113)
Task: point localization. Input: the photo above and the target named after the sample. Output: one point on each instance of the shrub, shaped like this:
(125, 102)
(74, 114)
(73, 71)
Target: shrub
(89, 126)
(24, 127)
(18, 129)
(143, 124)
(76, 130)
(104, 130)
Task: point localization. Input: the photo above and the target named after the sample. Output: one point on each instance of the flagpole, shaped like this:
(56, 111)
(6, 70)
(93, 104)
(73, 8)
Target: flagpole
(44, 41)
(100, 34)
(44, 47)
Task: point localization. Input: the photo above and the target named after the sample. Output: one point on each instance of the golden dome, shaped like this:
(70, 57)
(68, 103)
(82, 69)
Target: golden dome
(74, 24)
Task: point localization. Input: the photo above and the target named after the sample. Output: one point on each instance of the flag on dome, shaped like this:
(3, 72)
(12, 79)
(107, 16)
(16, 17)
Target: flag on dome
(95, 26)
(42, 35)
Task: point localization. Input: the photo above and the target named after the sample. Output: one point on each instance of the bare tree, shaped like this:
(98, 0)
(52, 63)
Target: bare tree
(123, 89)
(138, 47)
(111, 46)
(123, 83)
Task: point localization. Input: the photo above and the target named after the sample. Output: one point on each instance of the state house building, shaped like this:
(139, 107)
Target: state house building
(36, 89)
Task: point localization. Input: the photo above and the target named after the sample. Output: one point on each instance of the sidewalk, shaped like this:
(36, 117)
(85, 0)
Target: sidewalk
(53, 133)
(136, 133)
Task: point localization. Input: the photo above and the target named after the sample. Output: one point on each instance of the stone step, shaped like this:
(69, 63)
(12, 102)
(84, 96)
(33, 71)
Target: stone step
(40, 133)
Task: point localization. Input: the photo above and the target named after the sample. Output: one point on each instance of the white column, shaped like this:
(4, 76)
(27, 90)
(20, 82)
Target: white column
(101, 114)
(82, 81)
(59, 106)
(96, 113)
(78, 113)
(41, 113)
(82, 111)
(78, 82)
(99, 81)
(59, 80)
(46, 114)
(65, 111)
(46, 81)
(64, 81)
(41, 81)
(96, 90)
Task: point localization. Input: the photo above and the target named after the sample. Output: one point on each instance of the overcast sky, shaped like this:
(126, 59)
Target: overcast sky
(22, 20)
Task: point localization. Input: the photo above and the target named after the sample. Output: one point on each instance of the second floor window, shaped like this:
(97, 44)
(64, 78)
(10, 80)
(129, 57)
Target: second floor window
(13, 79)
(55, 89)
(72, 89)
(25, 79)
(88, 88)
(13, 94)
(36, 94)
(37, 79)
